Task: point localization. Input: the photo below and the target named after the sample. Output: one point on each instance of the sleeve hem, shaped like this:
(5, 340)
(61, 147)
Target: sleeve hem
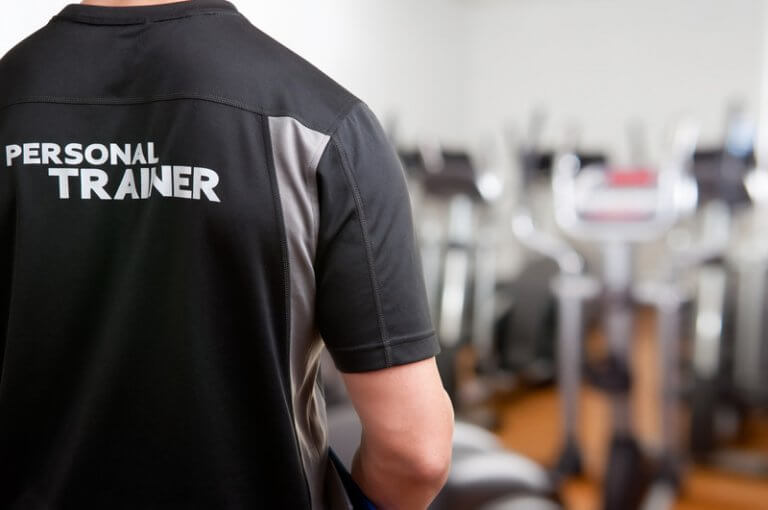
(392, 342)
(381, 356)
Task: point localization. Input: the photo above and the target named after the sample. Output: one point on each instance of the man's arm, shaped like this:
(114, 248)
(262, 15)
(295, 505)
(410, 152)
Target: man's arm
(407, 419)
(373, 313)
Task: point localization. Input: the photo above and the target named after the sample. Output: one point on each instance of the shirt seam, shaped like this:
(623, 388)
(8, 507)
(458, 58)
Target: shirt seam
(138, 20)
(353, 105)
(14, 268)
(363, 222)
(393, 342)
(185, 96)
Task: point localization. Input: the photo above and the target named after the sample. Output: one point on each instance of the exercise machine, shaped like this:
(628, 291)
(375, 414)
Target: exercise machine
(532, 336)
(617, 208)
(458, 251)
(572, 288)
(729, 350)
(685, 258)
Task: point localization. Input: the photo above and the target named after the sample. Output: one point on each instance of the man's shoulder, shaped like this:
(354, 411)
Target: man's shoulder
(274, 79)
(223, 58)
(19, 62)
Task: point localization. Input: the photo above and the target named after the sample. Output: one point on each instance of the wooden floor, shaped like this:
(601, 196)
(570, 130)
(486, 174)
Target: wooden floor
(530, 425)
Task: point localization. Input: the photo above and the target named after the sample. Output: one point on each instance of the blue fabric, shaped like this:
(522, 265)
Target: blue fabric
(355, 493)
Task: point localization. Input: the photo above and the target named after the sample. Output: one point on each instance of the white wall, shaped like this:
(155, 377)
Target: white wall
(462, 70)
(762, 148)
(20, 19)
(601, 63)
(403, 57)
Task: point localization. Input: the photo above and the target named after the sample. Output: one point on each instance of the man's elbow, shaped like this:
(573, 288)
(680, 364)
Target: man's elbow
(431, 457)
(431, 468)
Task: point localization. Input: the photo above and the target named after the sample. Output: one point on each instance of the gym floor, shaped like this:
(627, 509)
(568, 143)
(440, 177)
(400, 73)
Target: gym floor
(529, 421)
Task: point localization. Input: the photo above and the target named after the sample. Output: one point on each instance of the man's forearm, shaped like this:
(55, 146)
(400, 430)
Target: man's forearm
(407, 420)
(393, 483)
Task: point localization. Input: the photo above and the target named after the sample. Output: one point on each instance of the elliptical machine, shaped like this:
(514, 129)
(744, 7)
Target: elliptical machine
(570, 286)
(617, 208)
(729, 348)
(458, 252)
(447, 235)
(684, 256)
(554, 284)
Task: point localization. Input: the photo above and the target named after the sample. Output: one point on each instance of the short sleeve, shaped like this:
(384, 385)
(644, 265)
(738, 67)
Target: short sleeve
(371, 306)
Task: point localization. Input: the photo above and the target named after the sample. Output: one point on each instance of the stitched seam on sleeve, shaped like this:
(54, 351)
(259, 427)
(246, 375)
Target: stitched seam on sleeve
(393, 342)
(359, 206)
(344, 113)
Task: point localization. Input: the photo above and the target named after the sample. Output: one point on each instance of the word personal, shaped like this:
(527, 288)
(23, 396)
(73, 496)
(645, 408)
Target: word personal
(79, 171)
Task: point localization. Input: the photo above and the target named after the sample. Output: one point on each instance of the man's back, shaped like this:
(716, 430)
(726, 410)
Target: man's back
(185, 206)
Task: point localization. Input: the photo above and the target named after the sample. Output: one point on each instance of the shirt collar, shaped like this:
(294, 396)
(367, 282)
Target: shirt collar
(99, 15)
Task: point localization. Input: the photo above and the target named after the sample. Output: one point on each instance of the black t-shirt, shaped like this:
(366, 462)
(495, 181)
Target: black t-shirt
(188, 213)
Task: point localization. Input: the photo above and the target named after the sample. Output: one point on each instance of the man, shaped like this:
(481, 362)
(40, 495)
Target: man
(186, 209)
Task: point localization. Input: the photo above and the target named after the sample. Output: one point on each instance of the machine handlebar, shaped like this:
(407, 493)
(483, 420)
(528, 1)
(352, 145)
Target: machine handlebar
(609, 204)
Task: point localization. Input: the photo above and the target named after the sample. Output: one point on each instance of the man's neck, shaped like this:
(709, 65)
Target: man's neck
(129, 3)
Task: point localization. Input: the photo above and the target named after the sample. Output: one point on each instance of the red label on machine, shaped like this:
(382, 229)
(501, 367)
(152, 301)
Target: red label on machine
(631, 178)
